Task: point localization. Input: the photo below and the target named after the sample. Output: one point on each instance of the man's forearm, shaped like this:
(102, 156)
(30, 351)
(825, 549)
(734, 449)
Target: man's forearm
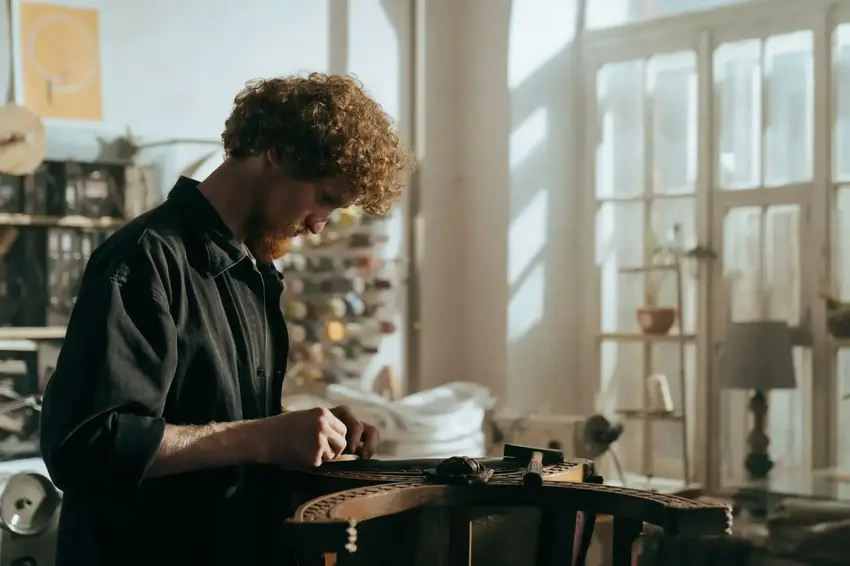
(192, 448)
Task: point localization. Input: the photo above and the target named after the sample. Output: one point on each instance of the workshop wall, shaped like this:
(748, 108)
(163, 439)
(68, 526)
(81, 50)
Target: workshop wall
(498, 241)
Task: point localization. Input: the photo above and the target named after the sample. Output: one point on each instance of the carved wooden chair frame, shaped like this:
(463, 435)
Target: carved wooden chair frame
(329, 524)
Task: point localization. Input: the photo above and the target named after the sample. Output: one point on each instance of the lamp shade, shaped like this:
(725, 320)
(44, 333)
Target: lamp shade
(758, 355)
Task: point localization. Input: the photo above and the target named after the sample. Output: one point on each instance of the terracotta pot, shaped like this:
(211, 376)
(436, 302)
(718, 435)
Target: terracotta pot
(656, 320)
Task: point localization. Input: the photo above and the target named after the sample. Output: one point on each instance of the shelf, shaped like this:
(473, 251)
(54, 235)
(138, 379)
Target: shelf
(654, 415)
(649, 268)
(32, 332)
(41, 220)
(639, 337)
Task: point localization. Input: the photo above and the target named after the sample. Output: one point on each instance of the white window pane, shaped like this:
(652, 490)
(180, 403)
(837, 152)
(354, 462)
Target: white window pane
(843, 408)
(789, 89)
(737, 76)
(742, 244)
(623, 388)
(786, 425)
(608, 13)
(620, 153)
(840, 244)
(761, 261)
(672, 90)
(668, 216)
(620, 231)
(841, 70)
(782, 262)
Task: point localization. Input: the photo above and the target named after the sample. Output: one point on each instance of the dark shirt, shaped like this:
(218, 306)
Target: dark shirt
(170, 326)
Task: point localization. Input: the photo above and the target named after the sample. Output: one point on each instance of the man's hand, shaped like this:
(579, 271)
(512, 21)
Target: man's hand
(300, 439)
(361, 438)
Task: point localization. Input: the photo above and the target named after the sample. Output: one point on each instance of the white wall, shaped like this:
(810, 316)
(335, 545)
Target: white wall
(508, 239)
(498, 288)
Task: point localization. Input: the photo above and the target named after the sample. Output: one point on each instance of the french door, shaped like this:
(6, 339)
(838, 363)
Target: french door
(718, 132)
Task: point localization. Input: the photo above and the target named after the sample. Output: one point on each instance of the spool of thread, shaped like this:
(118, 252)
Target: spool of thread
(386, 327)
(330, 237)
(353, 328)
(367, 262)
(336, 353)
(336, 307)
(294, 287)
(297, 333)
(311, 286)
(295, 310)
(335, 331)
(354, 305)
(658, 390)
(346, 218)
(314, 332)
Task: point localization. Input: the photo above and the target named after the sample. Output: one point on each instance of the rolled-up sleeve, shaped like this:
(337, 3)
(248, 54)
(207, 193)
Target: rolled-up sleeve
(102, 419)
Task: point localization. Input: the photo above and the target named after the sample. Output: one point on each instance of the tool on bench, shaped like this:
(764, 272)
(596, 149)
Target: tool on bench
(535, 459)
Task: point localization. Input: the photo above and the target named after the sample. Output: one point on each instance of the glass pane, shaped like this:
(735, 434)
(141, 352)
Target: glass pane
(840, 243)
(841, 70)
(608, 13)
(737, 76)
(789, 89)
(782, 262)
(620, 385)
(742, 244)
(761, 262)
(785, 427)
(843, 406)
(668, 215)
(620, 153)
(623, 388)
(620, 230)
(673, 104)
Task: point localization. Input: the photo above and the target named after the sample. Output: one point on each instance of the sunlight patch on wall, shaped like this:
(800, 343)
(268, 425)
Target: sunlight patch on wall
(539, 30)
(525, 309)
(527, 235)
(528, 136)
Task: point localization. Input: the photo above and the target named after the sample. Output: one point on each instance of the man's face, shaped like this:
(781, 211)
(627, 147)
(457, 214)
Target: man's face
(284, 208)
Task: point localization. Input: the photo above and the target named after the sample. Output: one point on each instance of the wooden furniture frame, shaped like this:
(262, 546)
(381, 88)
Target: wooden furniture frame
(354, 493)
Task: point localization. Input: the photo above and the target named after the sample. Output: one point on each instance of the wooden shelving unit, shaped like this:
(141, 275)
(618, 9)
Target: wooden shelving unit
(340, 301)
(645, 414)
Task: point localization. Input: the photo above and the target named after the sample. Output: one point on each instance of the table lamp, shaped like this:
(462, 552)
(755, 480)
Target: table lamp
(758, 357)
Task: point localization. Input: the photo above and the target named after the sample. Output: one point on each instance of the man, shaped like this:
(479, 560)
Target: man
(162, 422)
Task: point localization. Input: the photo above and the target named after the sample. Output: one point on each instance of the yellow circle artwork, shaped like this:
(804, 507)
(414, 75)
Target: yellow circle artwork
(62, 61)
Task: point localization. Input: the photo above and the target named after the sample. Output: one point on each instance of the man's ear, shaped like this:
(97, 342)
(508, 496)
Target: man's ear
(272, 157)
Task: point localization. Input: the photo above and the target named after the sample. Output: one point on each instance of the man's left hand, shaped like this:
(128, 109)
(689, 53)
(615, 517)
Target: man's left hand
(361, 438)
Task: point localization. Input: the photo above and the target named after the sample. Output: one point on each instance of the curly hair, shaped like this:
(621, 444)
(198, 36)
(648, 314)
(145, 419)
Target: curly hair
(329, 128)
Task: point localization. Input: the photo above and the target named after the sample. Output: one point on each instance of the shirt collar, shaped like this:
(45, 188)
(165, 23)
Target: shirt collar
(222, 249)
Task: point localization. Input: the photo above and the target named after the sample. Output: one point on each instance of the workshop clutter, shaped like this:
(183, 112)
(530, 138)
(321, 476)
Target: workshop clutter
(436, 423)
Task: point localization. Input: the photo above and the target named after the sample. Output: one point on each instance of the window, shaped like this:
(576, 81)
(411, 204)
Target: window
(609, 13)
(712, 132)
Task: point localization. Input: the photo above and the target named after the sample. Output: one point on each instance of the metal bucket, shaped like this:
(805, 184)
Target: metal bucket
(28, 503)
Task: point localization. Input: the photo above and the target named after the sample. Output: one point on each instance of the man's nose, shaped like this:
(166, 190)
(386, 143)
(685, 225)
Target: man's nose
(316, 226)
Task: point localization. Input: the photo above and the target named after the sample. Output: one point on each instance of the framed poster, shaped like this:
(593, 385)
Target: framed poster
(57, 60)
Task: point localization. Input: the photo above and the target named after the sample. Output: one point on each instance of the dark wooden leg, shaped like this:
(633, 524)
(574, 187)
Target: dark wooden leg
(460, 536)
(557, 537)
(625, 533)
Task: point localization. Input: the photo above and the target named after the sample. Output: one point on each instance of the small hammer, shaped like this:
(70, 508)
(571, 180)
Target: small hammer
(535, 459)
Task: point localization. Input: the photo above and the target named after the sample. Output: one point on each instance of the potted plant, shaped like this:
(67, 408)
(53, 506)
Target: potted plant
(652, 318)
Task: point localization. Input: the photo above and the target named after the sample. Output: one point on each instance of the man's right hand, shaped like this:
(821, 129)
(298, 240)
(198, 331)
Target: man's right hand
(300, 439)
